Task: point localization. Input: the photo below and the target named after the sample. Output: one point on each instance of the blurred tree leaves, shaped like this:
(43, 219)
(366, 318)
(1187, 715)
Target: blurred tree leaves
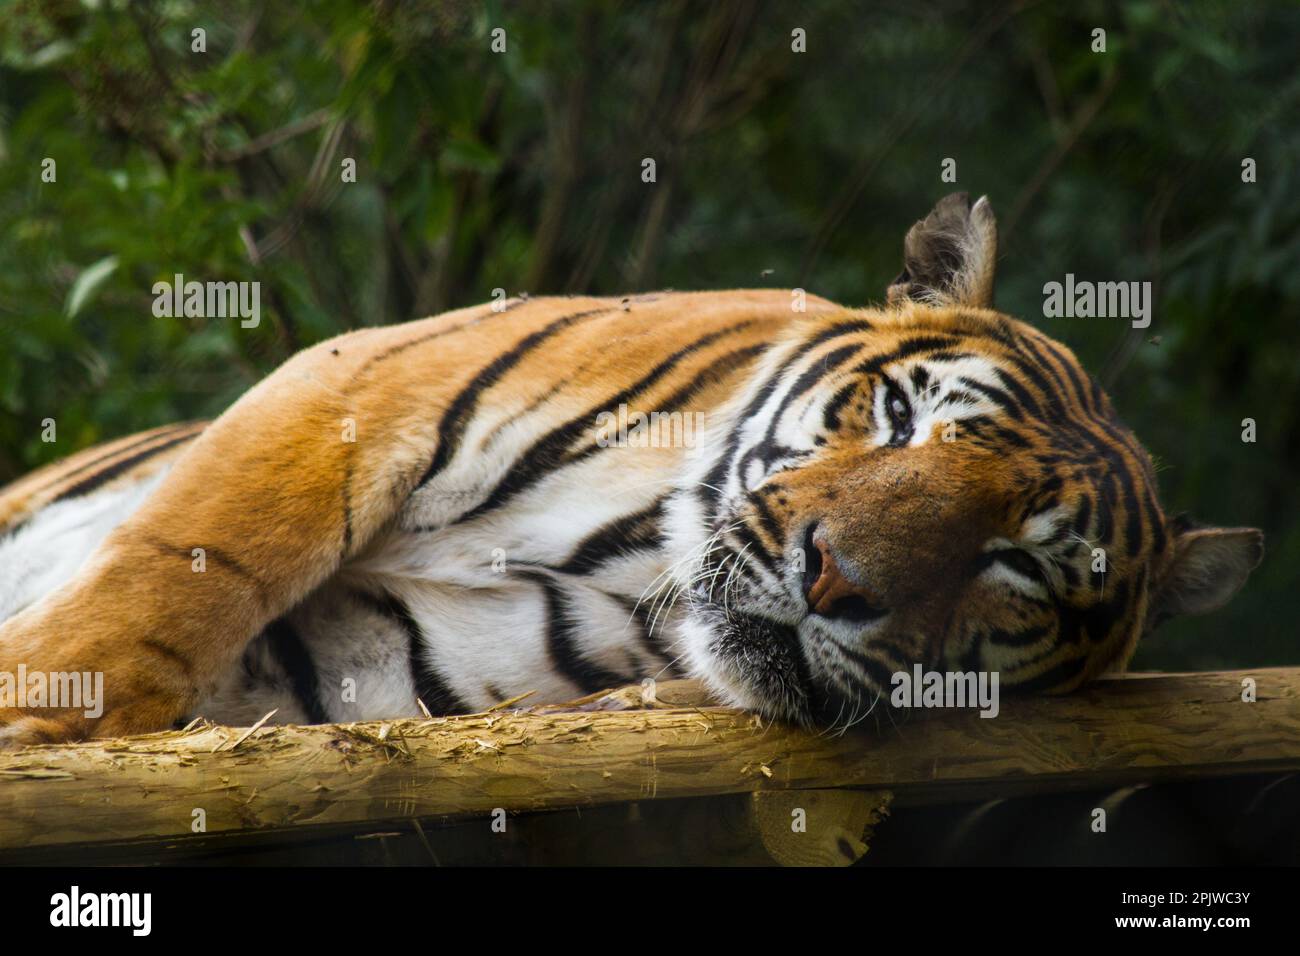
(522, 170)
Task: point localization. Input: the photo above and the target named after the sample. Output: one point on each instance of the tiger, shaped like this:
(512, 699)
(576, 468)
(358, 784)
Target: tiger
(437, 517)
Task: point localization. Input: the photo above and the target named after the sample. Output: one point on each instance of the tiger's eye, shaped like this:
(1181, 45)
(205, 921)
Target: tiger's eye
(899, 411)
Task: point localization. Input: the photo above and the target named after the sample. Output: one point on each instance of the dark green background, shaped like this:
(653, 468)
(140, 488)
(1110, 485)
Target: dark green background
(522, 170)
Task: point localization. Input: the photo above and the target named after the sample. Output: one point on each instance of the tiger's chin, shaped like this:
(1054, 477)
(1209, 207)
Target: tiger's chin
(752, 662)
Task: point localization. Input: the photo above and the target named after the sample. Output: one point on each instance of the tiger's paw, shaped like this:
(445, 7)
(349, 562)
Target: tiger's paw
(53, 701)
(62, 691)
(141, 715)
(18, 730)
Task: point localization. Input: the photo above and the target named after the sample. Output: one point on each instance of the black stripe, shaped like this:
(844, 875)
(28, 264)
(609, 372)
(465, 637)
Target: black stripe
(957, 396)
(1118, 471)
(547, 454)
(1106, 423)
(747, 536)
(1030, 364)
(908, 347)
(978, 424)
(1099, 417)
(637, 531)
(1083, 395)
(90, 483)
(1083, 517)
(1133, 526)
(430, 686)
(401, 347)
(831, 413)
(639, 611)
(1093, 623)
(1044, 366)
(291, 654)
(1105, 522)
(1154, 517)
(876, 671)
(995, 395)
(1022, 394)
(231, 564)
(766, 448)
(710, 491)
(155, 435)
(1009, 437)
(456, 417)
(561, 648)
(216, 554)
(768, 520)
(181, 660)
(347, 510)
(947, 355)
(898, 657)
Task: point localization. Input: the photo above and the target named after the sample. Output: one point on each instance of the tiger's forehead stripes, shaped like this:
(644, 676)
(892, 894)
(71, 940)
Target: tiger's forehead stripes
(1069, 414)
(711, 490)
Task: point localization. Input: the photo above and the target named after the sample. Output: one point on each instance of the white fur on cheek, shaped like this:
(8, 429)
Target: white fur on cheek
(703, 665)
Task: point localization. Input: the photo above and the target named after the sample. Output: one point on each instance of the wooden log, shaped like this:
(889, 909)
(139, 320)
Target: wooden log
(160, 786)
(817, 827)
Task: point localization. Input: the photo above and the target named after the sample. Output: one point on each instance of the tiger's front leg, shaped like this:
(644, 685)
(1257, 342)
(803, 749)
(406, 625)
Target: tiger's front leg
(266, 504)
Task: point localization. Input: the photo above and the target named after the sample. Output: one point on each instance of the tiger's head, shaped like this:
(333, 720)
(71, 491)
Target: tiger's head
(932, 483)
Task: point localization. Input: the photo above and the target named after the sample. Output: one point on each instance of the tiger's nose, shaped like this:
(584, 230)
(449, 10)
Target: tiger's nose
(830, 593)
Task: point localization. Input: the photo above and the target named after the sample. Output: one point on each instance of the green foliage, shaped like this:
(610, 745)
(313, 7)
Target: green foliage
(521, 170)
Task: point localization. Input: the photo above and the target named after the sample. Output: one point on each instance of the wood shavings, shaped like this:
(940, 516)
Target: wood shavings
(251, 730)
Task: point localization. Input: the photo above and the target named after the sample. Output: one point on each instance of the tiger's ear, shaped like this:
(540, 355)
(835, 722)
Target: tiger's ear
(1208, 567)
(949, 257)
